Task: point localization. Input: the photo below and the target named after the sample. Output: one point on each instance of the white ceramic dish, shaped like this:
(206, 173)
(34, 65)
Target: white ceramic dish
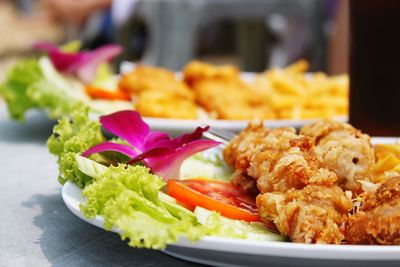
(235, 252)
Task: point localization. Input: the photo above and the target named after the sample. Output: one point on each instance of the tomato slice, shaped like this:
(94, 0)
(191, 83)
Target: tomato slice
(97, 92)
(219, 196)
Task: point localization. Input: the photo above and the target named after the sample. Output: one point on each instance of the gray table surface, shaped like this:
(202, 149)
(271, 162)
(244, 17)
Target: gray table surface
(36, 228)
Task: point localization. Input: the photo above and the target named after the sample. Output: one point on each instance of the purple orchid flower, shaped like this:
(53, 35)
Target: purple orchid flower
(83, 64)
(161, 153)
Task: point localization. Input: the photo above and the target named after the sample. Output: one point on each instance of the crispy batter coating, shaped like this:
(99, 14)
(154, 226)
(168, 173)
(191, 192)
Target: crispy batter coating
(378, 221)
(344, 150)
(314, 214)
(197, 71)
(158, 104)
(286, 161)
(239, 151)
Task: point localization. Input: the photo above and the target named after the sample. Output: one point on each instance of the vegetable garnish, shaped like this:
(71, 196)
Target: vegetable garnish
(82, 64)
(98, 92)
(129, 198)
(219, 196)
(157, 150)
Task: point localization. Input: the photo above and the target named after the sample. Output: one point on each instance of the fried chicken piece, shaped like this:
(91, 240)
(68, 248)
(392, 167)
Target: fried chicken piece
(344, 150)
(240, 149)
(145, 78)
(378, 221)
(158, 104)
(197, 71)
(314, 214)
(286, 161)
(232, 100)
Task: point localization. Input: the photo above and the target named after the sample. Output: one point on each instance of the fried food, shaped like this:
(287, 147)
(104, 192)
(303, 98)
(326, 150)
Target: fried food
(158, 104)
(378, 221)
(296, 193)
(197, 71)
(240, 149)
(295, 94)
(387, 163)
(314, 214)
(146, 78)
(231, 100)
(344, 150)
(287, 161)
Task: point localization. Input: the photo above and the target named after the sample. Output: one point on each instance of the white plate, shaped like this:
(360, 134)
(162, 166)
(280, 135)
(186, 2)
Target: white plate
(235, 252)
(177, 125)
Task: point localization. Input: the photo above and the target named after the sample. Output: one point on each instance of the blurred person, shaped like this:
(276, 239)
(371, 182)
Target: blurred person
(75, 12)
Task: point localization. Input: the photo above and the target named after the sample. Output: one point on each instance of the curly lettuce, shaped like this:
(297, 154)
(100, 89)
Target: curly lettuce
(72, 136)
(129, 197)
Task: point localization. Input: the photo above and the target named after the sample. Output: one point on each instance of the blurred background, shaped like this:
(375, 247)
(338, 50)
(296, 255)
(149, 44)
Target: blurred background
(252, 34)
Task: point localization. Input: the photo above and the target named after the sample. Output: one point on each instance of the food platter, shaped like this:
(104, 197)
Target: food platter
(235, 252)
(179, 125)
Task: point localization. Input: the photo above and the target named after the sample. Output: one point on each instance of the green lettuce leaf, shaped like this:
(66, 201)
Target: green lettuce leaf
(33, 83)
(72, 136)
(24, 73)
(128, 199)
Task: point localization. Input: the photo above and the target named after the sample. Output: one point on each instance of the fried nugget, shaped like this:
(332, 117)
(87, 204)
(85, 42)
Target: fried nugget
(146, 78)
(232, 100)
(314, 214)
(378, 221)
(286, 161)
(197, 71)
(161, 105)
(240, 149)
(344, 150)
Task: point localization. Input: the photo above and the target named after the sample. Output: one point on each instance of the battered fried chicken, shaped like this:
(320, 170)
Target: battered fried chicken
(297, 193)
(314, 214)
(378, 221)
(344, 150)
(240, 149)
(198, 71)
(286, 161)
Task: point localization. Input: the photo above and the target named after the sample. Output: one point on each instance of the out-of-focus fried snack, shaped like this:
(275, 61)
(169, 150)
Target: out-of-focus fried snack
(314, 214)
(232, 100)
(294, 94)
(199, 71)
(344, 150)
(159, 104)
(378, 221)
(146, 78)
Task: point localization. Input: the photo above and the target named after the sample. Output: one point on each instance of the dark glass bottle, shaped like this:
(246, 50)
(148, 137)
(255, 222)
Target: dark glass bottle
(375, 66)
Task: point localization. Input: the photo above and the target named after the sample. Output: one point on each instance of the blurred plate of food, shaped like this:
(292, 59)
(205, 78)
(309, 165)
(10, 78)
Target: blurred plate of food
(223, 97)
(202, 93)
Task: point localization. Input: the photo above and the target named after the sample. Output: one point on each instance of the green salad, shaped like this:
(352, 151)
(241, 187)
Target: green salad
(129, 180)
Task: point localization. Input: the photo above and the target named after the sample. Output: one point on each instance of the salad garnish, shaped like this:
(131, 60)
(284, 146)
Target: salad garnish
(157, 150)
(82, 64)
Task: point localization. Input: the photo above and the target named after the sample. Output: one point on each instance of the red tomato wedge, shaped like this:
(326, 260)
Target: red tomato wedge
(219, 196)
(97, 92)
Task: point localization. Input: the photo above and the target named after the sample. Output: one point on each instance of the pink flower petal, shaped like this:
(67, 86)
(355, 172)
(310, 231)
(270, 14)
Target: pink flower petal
(127, 125)
(82, 64)
(109, 146)
(168, 166)
(87, 68)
